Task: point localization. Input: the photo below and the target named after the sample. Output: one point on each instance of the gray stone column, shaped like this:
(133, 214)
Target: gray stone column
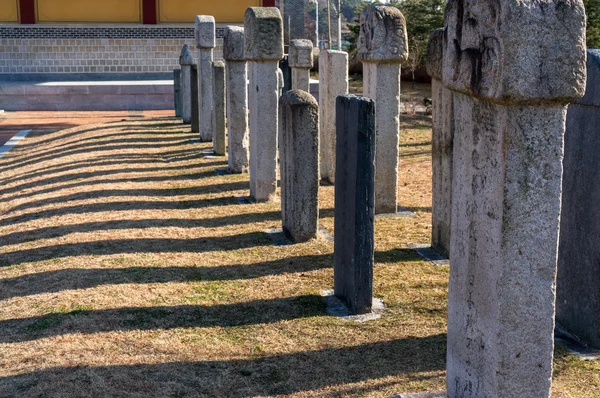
(442, 144)
(195, 110)
(354, 203)
(301, 61)
(237, 99)
(513, 66)
(186, 59)
(333, 81)
(578, 279)
(205, 42)
(219, 107)
(299, 162)
(177, 91)
(263, 50)
(383, 46)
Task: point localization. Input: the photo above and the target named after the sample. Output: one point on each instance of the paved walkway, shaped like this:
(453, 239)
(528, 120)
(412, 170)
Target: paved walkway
(13, 122)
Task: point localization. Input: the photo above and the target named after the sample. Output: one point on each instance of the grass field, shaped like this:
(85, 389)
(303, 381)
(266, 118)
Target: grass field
(128, 268)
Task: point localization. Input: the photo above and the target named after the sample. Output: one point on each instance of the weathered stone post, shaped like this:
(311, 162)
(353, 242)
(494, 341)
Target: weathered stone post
(299, 162)
(195, 111)
(333, 81)
(205, 42)
(177, 91)
(513, 65)
(186, 59)
(354, 203)
(301, 61)
(263, 49)
(219, 107)
(578, 278)
(383, 47)
(442, 144)
(237, 99)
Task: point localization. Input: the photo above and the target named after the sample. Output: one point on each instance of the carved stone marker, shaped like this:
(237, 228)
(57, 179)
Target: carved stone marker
(442, 144)
(237, 99)
(263, 50)
(299, 162)
(513, 66)
(354, 203)
(205, 42)
(333, 81)
(177, 91)
(383, 47)
(219, 107)
(186, 59)
(195, 111)
(301, 61)
(578, 278)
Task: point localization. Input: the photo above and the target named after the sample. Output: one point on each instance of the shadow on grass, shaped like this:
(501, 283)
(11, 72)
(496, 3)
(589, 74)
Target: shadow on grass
(263, 376)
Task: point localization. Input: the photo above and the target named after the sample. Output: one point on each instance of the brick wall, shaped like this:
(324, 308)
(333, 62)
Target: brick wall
(94, 49)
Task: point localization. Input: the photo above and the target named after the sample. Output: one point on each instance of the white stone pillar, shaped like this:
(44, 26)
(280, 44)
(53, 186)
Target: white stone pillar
(383, 46)
(442, 145)
(301, 61)
(333, 81)
(186, 59)
(513, 66)
(263, 50)
(237, 99)
(205, 42)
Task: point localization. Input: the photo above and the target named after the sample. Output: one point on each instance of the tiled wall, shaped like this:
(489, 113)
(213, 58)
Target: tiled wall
(94, 49)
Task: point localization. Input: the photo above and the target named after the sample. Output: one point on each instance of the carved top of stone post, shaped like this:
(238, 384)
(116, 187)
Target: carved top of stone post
(233, 43)
(435, 54)
(515, 51)
(264, 34)
(301, 54)
(383, 37)
(205, 31)
(186, 57)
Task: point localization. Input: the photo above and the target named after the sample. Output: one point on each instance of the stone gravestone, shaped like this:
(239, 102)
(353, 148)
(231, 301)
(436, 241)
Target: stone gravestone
(301, 61)
(333, 81)
(383, 47)
(237, 99)
(219, 108)
(205, 42)
(194, 95)
(578, 278)
(177, 91)
(299, 162)
(513, 66)
(186, 59)
(354, 203)
(442, 143)
(263, 50)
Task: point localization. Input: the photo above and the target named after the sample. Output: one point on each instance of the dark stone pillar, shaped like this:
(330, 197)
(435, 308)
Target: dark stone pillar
(354, 202)
(177, 90)
(284, 65)
(578, 278)
(195, 102)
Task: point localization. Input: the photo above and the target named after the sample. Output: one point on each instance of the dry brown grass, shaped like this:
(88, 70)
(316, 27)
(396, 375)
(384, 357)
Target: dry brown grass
(128, 269)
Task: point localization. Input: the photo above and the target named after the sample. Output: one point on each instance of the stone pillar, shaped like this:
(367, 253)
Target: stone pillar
(299, 162)
(301, 61)
(237, 99)
(286, 71)
(513, 66)
(177, 91)
(442, 143)
(194, 95)
(578, 279)
(383, 46)
(219, 108)
(354, 203)
(186, 59)
(263, 49)
(205, 42)
(333, 81)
